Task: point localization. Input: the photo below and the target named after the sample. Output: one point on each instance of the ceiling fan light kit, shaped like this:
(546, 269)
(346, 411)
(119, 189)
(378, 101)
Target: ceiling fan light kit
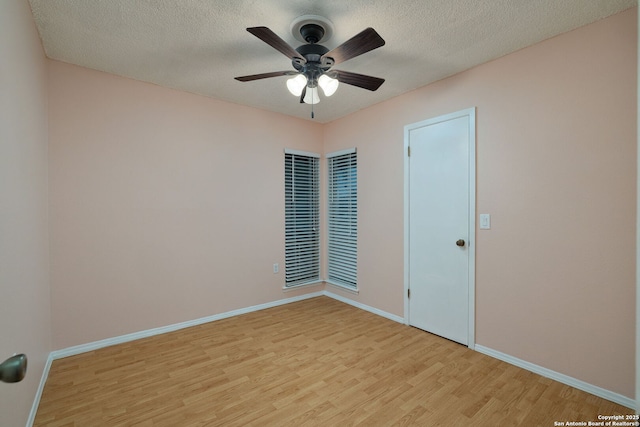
(328, 84)
(311, 96)
(313, 62)
(297, 84)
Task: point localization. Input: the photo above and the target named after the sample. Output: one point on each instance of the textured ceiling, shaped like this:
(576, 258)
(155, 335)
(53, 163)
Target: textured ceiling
(199, 46)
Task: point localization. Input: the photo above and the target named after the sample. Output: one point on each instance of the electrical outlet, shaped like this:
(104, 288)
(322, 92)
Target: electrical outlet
(276, 268)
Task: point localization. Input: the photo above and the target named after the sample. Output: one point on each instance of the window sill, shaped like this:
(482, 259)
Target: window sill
(302, 285)
(354, 291)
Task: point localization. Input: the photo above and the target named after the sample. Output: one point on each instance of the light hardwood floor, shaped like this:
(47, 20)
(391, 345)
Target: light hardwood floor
(313, 362)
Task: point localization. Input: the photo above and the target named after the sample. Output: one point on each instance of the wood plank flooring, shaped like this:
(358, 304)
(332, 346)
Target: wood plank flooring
(313, 362)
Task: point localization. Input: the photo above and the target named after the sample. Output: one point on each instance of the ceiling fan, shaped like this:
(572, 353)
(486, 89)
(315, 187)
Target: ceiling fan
(313, 62)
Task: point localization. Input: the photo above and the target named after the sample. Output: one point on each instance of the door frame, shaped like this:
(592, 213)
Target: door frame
(471, 113)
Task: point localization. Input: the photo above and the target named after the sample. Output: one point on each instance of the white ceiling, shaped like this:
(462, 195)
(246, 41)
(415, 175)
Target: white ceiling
(199, 46)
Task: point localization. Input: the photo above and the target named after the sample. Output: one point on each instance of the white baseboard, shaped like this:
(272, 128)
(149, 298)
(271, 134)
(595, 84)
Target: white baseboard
(562, 378)
(557, 376)
(70, 351)
(36, 399)
(83, 348)
(364, 307)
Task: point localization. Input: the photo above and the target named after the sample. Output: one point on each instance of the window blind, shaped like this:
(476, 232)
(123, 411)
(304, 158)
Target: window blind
(342, 245)
(302, 218)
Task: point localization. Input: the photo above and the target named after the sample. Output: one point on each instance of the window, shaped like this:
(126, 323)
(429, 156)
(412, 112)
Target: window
(342, 201)
(302, 218)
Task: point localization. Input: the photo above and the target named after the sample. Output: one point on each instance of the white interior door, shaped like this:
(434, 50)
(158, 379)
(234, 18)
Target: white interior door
(441, 199)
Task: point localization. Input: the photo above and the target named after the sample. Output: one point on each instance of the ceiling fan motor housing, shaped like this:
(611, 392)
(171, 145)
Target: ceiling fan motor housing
(312, 33)
(314, 67)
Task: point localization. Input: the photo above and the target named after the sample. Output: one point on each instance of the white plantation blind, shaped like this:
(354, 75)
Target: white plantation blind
(302, 217)
(342, 247)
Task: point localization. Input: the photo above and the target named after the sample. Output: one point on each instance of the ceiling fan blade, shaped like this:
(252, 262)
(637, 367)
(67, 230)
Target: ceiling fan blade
(362, 42)
(272, 39)
(359, 80)
(265, 75)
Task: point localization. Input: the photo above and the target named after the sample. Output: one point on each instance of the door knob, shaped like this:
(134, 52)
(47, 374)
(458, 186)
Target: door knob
(460, 242)
(13, 369)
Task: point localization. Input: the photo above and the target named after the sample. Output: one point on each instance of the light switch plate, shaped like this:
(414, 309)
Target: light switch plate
(485, 221)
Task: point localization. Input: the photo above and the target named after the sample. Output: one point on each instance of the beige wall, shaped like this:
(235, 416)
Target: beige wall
(165, 206)
(556, 165)
(24, 283)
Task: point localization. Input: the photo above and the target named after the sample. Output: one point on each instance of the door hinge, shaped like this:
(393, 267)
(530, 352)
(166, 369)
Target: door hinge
(408, 293)
(409, 151)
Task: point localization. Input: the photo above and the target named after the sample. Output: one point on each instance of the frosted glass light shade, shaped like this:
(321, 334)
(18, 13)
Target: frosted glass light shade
(328, 85)
(296, 84)
(311, 97)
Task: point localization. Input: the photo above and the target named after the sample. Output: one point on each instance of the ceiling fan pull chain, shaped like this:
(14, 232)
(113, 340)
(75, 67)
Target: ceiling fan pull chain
(314, 93)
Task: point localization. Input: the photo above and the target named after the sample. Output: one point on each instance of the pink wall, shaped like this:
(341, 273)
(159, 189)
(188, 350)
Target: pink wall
(24, 279)
(556, 168)
(165, 206)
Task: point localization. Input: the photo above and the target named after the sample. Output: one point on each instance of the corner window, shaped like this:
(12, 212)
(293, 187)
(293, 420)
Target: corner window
(342, 200)
(302, 218)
